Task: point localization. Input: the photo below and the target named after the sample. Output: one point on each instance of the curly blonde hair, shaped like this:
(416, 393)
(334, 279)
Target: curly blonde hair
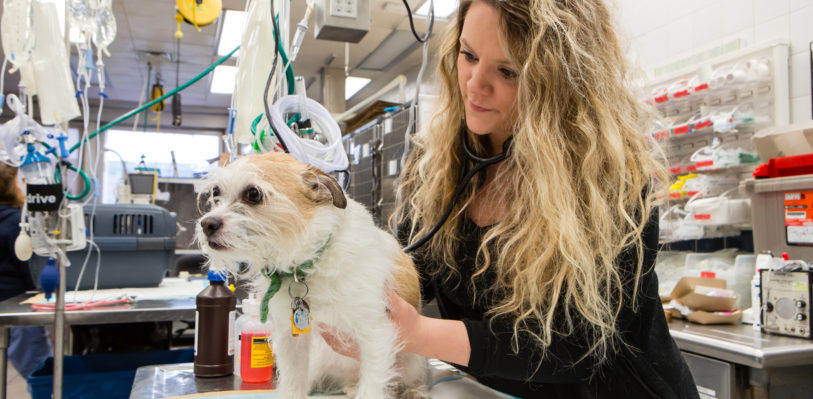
(576, 184)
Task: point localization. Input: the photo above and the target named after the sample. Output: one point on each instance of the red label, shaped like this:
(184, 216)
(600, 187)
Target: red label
(661, 99)
(676, 169)
(682, 93)
(691, 168)
(703, 86)
(799, 208)
(703, 164)
(660, 135)
(692, 193)
(703, 124)
(675, 195)
(708, 274)
(681, 129)
(702, 216)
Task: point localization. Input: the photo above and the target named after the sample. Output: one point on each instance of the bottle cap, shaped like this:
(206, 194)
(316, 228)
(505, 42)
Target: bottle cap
(216, 276)
(251, 306)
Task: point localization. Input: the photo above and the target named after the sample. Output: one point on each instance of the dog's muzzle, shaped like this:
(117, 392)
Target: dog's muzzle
(211, 225)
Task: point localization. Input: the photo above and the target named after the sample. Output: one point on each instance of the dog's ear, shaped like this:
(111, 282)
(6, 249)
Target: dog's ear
(323, 187)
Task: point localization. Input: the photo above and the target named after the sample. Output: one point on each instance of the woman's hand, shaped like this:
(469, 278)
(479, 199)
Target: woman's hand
(403, 315)
(434, 338)
(407, 321)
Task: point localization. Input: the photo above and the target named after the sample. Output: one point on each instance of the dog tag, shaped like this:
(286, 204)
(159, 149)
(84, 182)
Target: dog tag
(301, 317)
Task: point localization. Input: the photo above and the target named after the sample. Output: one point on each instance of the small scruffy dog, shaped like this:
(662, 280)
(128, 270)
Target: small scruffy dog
(270, 216)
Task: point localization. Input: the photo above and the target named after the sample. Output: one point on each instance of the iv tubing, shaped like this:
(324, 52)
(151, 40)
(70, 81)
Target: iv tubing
(130, 114)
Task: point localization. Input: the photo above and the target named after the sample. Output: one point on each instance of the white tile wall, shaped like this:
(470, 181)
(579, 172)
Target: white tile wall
(660, 31)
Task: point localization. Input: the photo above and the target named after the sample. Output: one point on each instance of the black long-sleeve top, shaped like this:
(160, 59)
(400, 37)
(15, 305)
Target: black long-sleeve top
(653, 367)
(15, 278)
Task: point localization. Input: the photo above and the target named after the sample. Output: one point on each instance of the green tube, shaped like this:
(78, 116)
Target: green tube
(289, 72)
(130, 114)
(85, 177)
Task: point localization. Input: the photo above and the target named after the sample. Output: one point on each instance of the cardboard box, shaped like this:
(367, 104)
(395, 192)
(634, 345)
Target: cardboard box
(685, 293)
(701, 317)
(782, 141)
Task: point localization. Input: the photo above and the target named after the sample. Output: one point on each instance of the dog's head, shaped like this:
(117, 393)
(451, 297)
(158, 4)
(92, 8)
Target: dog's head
(267, 210)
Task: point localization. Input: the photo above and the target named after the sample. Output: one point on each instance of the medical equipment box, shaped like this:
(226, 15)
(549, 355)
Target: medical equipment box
(782, 215)
(785, 298)
(137, 245)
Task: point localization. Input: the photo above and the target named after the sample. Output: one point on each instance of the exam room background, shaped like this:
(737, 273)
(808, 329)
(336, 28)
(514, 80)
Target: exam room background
(656, 32)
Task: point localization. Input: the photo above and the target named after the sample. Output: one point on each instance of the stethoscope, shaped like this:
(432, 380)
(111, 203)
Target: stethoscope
(480, 164)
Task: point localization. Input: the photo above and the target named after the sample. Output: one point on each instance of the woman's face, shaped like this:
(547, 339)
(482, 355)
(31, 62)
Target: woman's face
(487, 79)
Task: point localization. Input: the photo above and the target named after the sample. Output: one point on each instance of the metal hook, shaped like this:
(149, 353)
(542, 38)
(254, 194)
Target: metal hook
(307, 289)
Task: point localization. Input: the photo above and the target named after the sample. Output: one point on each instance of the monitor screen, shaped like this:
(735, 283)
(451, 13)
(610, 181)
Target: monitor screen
(141, 183)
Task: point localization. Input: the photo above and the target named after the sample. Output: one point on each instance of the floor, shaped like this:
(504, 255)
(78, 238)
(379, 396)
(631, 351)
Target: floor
(16, 385)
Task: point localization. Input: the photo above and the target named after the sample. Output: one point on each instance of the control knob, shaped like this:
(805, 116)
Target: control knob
(801, 317)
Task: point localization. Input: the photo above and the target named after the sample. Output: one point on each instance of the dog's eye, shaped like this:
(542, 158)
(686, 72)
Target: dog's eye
(215, 191)
(253, 195)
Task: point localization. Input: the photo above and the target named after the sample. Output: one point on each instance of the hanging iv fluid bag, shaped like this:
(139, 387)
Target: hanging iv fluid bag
(256, 56)
(16, 32)
(57, 96)
(105, 21)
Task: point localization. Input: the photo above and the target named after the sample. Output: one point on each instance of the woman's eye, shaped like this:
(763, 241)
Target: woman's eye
(507, 73)
(468, 56)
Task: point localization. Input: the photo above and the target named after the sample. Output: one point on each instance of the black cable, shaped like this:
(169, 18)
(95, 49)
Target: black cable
(270, 77)
(428, 28)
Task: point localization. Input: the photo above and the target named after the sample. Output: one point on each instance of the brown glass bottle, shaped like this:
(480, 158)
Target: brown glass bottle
(214, 326)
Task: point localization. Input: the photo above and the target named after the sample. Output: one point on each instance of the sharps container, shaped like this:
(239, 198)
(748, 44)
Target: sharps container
(214, 329)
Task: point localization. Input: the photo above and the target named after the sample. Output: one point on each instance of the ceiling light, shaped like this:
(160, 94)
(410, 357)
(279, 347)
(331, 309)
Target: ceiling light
(443, 8)
(231, 33)
(223, 79)
(352, 85)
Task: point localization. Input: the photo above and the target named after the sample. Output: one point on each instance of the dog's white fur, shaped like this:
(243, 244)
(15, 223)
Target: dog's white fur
(298, 214)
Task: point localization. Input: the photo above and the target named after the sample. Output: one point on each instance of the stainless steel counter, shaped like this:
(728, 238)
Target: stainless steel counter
(162, 381)
(13, 314)
(741, 344)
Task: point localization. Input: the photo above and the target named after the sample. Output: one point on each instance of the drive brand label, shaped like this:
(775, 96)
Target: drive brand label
(43, 197)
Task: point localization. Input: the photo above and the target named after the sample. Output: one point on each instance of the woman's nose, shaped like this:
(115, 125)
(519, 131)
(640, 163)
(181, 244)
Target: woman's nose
(478, 82)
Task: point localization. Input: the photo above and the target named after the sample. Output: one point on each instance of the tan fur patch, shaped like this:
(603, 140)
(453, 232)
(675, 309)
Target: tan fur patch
(406, 280)
(284, 173)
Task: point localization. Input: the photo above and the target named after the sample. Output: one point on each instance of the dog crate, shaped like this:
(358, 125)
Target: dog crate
(137, 245)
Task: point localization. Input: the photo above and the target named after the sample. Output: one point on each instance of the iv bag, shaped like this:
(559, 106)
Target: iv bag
(105, 22)
(256, 56)
(16, 31)
(57, 96)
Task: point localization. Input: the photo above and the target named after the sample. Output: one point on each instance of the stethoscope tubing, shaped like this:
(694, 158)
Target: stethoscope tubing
(480, 164)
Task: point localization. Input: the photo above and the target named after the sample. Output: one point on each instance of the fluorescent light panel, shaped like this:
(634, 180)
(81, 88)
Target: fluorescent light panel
(234, 23)
(353, 85)
(443, 8)
(223, 79)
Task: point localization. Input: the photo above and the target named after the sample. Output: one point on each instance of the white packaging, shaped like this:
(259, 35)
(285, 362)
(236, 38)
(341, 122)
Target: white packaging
(56, 93)
(256, 56)
(721, 210)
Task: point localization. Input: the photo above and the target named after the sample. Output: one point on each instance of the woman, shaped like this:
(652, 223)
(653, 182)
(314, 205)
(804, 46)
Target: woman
(543, 273)
(28, 346)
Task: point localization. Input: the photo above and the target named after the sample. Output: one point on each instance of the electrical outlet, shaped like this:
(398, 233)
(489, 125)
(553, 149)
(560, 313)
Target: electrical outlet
(344, 8)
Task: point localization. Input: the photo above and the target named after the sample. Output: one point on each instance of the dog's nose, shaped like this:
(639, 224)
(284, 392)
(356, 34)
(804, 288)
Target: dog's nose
(211, 225)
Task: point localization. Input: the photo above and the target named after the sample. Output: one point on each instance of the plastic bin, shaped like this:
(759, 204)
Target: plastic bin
(137, 244)
(783, 215)
(106, 375)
